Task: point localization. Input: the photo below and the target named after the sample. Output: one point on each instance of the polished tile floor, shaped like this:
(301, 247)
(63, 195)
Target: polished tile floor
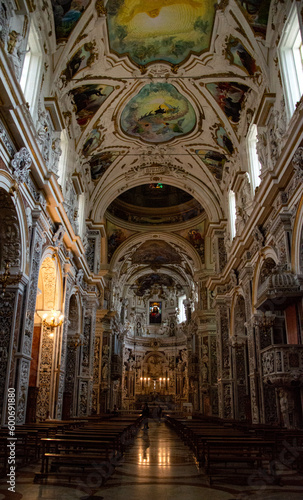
(156, 466)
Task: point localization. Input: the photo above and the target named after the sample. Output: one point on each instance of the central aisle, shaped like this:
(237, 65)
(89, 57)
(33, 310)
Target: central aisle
(158, 466)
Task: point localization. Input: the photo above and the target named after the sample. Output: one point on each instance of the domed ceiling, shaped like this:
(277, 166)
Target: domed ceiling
(154, 204)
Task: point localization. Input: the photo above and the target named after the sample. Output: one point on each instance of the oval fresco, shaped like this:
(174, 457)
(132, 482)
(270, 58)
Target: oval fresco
(158, 113)
(166, 30)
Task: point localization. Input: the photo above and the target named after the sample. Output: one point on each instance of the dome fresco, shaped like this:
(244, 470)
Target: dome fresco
(160, 30)
(158, 113)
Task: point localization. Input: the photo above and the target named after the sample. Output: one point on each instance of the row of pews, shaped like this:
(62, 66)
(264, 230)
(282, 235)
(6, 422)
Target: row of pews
(229, 449)
(72, 449)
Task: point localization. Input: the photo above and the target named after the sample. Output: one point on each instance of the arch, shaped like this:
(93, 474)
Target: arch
(13, 198)
(138, 239)
(297, 241)
(102, 198)
(50, 282)
(235, 300)
(266, 253)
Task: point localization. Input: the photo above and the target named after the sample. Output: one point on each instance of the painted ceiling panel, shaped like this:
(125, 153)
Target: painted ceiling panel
(158, 113)
(230, 97)
(169, 30)
(88, 99)
(66, 15)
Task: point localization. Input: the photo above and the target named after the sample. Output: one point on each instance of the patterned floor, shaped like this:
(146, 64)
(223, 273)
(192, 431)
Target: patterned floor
(157, 466)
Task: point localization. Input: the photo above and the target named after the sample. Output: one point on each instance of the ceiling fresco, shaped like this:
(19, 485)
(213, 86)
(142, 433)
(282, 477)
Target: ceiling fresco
(238, 55)
(155, 195)
(257, 13)
(223, 140)
(151, 281)
(66, 15)
(83, 58)
(87, 99)
(168, 30)
(214, 162)
(155, 254)
(158, 113)
(92, 142)
(230, 97)
(101, 162)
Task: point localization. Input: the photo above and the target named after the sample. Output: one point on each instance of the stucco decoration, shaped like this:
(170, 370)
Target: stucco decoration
(161, 30)
(158, 113)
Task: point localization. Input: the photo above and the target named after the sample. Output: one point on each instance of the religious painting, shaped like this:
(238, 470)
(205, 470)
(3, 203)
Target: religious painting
(161, 30)
(257, 13)
(101, 162)
(238, 55)
(223, 140)
(66, 15)
(155, 313)
(92, 142)
(230, 97)
(152, 283)
(214, 161)
(158, 113)
(197, 241)
(84, 57)
(114, 241)
(88, 99)
(156, 254)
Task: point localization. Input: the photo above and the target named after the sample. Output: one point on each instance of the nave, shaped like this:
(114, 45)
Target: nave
(156, 464)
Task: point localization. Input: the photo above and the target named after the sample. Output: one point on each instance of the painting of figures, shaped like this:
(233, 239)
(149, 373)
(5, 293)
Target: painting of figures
(66, 14)
(214, 162)
(223, 140)
(229, 96)
(87, 100)
(83, 58)
(91, 143)
(158, 113)
(237, 54)
(257, 13)
(155, 313)
(101, 162)
(166, 30)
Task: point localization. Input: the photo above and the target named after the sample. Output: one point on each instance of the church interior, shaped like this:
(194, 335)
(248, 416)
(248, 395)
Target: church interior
(152, 256)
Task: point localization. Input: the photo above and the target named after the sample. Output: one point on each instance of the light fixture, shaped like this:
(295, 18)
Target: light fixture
(53, 318)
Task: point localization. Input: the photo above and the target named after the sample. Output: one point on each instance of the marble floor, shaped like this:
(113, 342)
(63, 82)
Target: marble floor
(156, 466)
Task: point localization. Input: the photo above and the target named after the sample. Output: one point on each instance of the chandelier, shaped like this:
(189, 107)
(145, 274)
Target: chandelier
(53, 318)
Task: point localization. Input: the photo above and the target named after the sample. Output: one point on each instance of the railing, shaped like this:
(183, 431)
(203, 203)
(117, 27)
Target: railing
(282, 365)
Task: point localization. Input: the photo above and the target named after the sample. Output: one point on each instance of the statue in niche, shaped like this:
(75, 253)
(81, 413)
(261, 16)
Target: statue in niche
(204, 373)
(104, 372)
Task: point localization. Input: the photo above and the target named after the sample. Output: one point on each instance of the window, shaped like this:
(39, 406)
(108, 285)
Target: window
(255, 166)
(81, 214)
(291, 61)
(63, 158)
(30, 77)
(181, 315)
(232, 213)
